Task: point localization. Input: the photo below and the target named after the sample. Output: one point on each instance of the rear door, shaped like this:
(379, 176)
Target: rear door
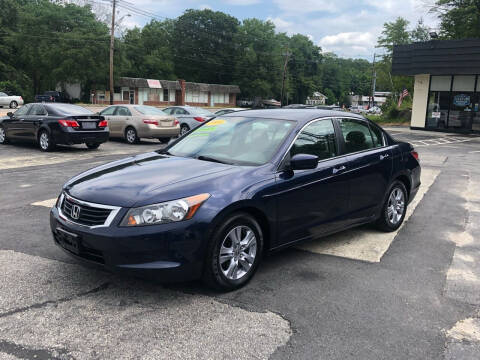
(123, 117)
(32, 121)
(4, 99)
(370, 166)
(311, 203)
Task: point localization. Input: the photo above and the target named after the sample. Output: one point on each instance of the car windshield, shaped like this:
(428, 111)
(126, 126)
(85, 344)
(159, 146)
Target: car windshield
(68, 109)
(149, 110)
(234, 140)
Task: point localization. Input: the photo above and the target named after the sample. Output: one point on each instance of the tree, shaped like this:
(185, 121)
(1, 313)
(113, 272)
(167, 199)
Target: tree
(204, 46)
(420, 32)
(459, 19)
(394, 33)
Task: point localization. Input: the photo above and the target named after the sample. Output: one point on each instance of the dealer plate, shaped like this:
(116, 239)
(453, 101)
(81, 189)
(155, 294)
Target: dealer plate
(89, 125)
(68, 240)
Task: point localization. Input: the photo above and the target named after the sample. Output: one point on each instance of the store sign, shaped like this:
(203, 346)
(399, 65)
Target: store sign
(436, 114)
(461, 100)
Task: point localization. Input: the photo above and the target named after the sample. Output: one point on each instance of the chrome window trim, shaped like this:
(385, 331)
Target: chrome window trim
(334, 157)
(114, 211)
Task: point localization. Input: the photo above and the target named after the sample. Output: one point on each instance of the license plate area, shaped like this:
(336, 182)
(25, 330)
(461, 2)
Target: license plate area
(68, 240)
(166, 123)
(89, 125)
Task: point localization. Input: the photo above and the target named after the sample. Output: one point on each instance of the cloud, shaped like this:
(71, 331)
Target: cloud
(307, 6)
(355, 43)
(242, 2)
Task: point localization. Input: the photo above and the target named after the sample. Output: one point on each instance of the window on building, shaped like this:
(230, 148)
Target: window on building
(165, 94)
(461, 102)
(438, 102)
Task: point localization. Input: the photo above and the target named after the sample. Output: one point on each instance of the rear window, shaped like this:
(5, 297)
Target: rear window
(68, 109)
(149, 110)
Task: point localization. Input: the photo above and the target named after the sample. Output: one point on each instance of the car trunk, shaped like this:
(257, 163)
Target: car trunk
(88, 122)
(160, 121)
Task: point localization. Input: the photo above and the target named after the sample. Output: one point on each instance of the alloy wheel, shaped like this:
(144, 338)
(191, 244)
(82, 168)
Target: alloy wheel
(44, 141)
(395, 206)
(3, 136)
(238, 252)
(131, 136)
(13, 105)
(184, 130)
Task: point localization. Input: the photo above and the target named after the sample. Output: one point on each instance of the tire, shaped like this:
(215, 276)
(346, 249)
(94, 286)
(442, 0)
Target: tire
(237, 266)
(184, 129)
(92, 146)
(3, 136)
(394, 208)
(164, 140)
(45, 141)
(131, 135)
(13, 104)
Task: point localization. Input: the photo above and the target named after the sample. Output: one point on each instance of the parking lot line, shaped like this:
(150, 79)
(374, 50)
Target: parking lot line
(46, 203)
(365, 243)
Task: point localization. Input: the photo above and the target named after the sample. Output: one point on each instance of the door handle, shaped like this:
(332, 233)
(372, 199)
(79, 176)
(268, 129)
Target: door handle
(384, 156)
(338, 169)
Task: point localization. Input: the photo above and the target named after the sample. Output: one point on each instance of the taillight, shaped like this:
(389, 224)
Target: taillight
(199, 118)
(103, 124)
(176, 122)
(415, 155)
(149, 121)
(69, 123)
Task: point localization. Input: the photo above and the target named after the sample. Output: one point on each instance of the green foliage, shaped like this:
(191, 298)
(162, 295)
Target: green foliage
(394, 33)
(459, 19)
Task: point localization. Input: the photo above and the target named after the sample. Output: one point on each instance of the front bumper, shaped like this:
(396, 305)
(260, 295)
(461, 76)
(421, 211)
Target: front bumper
(81, 137)
(167, 253)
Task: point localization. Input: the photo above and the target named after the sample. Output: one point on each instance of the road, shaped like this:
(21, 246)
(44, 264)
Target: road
(361, 294)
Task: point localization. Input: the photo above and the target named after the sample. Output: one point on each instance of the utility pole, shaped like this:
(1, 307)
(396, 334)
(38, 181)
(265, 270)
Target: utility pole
(112, 42)
(374, 81)
(287, 54)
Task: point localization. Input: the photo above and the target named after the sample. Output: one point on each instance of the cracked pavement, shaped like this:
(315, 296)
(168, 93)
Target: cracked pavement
(418, 301)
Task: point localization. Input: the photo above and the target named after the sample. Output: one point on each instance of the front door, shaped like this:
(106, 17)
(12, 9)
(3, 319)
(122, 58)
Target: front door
(15, 123)
(311, 203)
(108, 114)
(370, 170)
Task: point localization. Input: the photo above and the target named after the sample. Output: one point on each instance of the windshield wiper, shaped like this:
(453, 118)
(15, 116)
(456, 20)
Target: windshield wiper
(208, 158)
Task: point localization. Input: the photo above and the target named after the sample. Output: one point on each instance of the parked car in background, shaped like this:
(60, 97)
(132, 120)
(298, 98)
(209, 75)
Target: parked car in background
(49, 124)
(133, 122)
(53, 96)
(213, 202)
(12, 101)
(227, 111)
(189, 116)
(357, 109)
(374, 110)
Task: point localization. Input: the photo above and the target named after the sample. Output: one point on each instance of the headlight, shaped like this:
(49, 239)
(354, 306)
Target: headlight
(170, 211)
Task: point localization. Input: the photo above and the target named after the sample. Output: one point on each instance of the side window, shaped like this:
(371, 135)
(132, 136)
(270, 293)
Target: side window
(377, 134)
(123, 111)
(38, 110)
(109, 111)
(356, 134)
(168, 111)
(180, 111)
(2, 94)
(317, 139)
(23, 110)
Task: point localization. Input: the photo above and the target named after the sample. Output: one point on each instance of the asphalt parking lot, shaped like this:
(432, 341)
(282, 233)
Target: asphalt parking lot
(361, 294)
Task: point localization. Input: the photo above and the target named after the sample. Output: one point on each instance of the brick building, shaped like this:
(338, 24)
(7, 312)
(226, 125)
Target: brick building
(166, 92)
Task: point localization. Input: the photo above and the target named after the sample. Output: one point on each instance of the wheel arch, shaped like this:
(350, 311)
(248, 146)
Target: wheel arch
(251, 209)
(405, 179)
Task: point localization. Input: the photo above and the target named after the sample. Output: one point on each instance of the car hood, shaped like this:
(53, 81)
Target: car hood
(144, 179)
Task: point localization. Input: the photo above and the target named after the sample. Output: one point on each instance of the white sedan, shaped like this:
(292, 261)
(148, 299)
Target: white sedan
(11, 101)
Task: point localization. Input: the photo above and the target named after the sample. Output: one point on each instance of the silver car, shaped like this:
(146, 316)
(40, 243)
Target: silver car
(228, 111)
(133, 122)
(11, 101)
(189, 116)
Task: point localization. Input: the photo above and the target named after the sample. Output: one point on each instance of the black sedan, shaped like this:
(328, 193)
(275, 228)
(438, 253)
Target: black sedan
(49, 124)
(214, 201)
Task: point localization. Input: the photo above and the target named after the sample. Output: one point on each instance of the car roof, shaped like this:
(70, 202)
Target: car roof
(300, 115)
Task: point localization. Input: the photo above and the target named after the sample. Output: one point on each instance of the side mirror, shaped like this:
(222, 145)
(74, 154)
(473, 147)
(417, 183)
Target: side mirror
(303, 162)
(10, 114)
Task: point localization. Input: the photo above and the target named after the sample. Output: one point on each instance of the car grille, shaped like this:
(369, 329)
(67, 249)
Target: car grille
(88, 215)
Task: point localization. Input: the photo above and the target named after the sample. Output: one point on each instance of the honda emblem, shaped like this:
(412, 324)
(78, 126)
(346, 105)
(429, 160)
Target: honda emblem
(75, 212)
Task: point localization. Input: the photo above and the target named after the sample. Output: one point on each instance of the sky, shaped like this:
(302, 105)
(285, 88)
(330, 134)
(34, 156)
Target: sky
(347, 28)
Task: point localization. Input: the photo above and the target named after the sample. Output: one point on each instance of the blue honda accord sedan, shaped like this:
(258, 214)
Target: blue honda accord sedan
(213, 202)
